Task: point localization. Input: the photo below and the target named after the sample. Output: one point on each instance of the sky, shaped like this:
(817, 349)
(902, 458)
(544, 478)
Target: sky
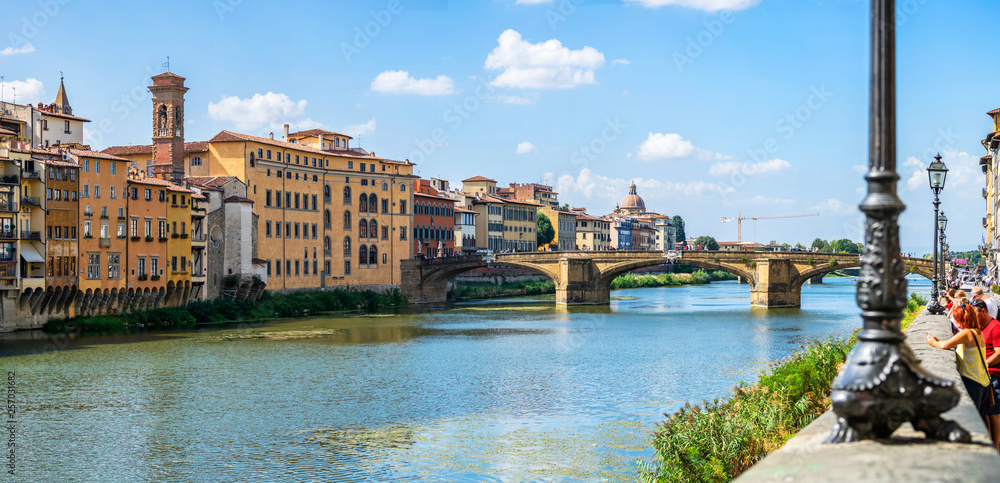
(712, 107)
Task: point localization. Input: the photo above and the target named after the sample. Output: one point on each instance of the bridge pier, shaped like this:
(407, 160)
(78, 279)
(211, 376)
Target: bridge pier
(815, 280)
(576, 283)
(775, 287)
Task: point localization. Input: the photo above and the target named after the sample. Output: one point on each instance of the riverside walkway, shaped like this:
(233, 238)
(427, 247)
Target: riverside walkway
(907, 456)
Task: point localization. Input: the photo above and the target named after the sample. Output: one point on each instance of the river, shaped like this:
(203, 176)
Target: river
(508, 390)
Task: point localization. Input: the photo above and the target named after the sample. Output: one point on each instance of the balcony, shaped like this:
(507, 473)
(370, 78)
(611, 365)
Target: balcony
(199, 238)
(8, 206)
(88, 213)
(31, 175)
(9, 283)
(9, 179)
(31, 201)
(121, 217)
(105, 243)
(31, 235)
(8, 235)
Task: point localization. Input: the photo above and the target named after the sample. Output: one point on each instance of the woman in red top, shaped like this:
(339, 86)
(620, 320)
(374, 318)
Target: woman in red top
(991, 336)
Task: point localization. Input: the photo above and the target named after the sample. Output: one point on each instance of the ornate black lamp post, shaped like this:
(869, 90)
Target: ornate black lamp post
(882, 384)
(937, 173)
(942, 224)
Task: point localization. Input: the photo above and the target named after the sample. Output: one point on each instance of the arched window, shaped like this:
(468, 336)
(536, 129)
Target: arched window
(373, 203)
(363, 203)
(363, 254)
(326, 193)
(347, 220)
(373, 255)
(347, 246)
(362, 229)
(347, 195)
(326, 246)
(373, 228)
(326, 218)
(163, 118)
(385, 186)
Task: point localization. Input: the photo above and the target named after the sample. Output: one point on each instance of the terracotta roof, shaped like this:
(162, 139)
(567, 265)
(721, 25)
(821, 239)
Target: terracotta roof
(192, 147)
(5, 132)
(86, 153)
(436, 197)
(316, 133)
(229, 136)
(479, 178)
(199, 196)
(60, 163)
(66, 116)
(463, 210)
(258, 261)
(210, 181)
(166, 74)
(489, 199)
(160, 182)
(995, 111)
(237, 199)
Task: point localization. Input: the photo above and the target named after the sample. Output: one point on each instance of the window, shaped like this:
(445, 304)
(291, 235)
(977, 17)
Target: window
(314, 231)
(97, 166)
(363, 254)
(373, 228)
(149, 227)
(87, 229)
(288, 229)
(86, 165)
(142, 266)
(362, 229)
(86, 191)
(402, 187)
(134, 227)
(94, 266)
(385, 186)
(385, 232)
(373, 203)
(288, 199)
(373, 251)
(296, 201)
(268, 154)
(121, 229)
(163, 195)
(277, 229)
(362, 167)
(402, 233)
(288, 268)
(347, 246)
(154, 264)
(347, 195)
(296, 268)
(267, 229)
(66, 127)
(296, 230)
(114, 269)
(149, 194)
(350, 165)
(347, 220)
(326, 219)
(363, 203)
(372, 168)
(97, 191)
(347, 267)
(402, 206)
(267, 198)
(173, 264)
(196, 161)
(277, 199)
(277, 267)
(314, 202)
(162, 226)
(112, 191)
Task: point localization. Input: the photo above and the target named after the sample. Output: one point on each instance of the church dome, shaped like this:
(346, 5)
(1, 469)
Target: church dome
(633, 201)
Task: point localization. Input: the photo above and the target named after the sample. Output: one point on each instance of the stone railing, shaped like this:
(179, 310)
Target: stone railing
(908, 456)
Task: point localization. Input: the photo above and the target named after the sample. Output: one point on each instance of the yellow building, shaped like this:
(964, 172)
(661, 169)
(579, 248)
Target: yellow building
(519, 226)
(320, 211)
(564, 225)
(991, 168)
(179, 209)
(489, 222)
(592, 233)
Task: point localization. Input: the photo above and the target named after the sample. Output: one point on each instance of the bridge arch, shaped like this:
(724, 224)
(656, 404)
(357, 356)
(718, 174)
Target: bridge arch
(427, 280)
(610, 273)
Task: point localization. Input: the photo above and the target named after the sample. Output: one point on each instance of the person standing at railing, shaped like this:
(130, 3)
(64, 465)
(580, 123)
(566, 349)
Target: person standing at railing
(991, 337)
(970, 348)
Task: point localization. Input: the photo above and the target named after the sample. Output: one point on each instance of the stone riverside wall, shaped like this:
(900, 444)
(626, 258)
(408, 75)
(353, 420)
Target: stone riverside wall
(805, 459)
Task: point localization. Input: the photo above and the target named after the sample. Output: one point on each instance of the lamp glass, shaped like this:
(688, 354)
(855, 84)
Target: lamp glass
(942, 222)
(937, 174)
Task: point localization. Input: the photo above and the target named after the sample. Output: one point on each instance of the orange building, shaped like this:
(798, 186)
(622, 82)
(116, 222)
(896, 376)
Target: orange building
(61, 227)
(433, 222)
(101, 226)
(147, 234)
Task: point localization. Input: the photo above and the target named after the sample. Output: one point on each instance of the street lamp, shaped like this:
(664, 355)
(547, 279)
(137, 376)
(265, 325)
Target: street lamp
(937, 173)
(942, 225)
(882, 384)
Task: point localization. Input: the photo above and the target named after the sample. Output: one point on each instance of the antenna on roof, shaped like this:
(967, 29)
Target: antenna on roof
(167, 64)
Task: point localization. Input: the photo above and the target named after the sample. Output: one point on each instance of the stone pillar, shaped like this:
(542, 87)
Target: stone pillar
(775, 288)
(576, 283)
(416, 289)
(817, 279)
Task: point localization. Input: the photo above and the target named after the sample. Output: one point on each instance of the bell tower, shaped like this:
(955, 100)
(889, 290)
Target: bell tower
(168, 126)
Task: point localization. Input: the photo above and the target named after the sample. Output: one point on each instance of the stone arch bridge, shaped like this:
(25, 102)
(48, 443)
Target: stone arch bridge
(584, 277)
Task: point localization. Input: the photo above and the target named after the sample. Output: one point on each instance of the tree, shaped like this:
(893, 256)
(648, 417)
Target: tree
(819, 243)
(543, 228)
(800, 246)
(844, 246)
(707, 242)
(681, 237)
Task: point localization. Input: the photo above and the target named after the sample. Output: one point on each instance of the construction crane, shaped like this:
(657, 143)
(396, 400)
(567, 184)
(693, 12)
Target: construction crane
(739, 221)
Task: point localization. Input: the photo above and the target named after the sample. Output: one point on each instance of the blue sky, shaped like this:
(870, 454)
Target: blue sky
(712, 107)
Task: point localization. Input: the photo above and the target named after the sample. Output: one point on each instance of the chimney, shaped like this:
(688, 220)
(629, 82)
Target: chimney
(321, 142)
(286, 133)
(272, 136)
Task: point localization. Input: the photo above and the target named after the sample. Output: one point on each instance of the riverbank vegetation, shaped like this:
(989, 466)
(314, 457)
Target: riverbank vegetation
(717, 441)
(223, 311)
(486, 290)
(698, 277)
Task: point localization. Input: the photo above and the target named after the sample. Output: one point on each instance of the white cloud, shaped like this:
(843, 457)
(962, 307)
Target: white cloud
(965, 177)
(661, 146)
(591, 185)
(748, 169)
(400, 82)
(356, 130)
(525, 148)
(706, 5)
(518, 100)
(531, 2)
(258, 111)
(30, 91)
(620, 61)
(24, 49)
(545, 65)
(766, 200)
(833, 206)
